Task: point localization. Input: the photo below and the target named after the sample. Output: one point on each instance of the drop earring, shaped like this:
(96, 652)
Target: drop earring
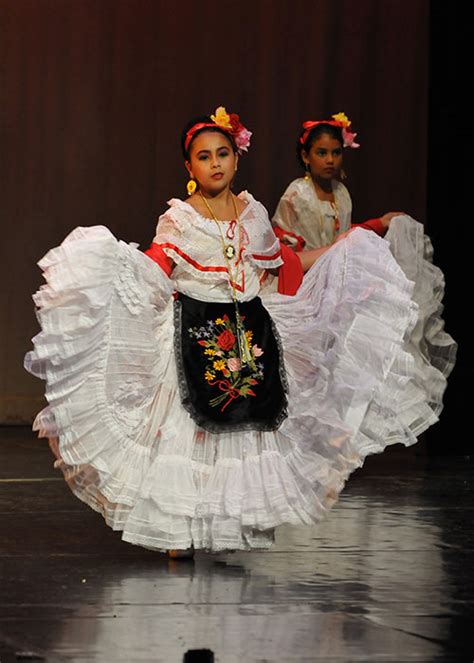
(306, 174)
(191, 186)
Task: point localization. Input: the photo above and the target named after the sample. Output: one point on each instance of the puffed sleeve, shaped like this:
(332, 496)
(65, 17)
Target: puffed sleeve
(168, 236)
(284, 222)
(156, 253)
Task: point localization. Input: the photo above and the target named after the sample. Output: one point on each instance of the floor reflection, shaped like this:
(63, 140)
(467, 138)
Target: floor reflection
(384, 578)
(323, 591)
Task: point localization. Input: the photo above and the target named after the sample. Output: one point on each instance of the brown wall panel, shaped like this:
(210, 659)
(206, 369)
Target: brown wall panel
(95, 92)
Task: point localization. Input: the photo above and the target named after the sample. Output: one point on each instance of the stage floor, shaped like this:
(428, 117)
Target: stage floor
(389, 576)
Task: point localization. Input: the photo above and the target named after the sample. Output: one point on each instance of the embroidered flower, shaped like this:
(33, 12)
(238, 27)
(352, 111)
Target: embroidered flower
(258, 352)
(249, 336)
(210, 352)
(220, 321)
(234, 364)
(226, 340)
(209, 376)
(222, 118)
(219, 365)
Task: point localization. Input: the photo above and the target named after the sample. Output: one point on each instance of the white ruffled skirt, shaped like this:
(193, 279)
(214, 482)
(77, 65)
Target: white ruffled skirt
(364, 371)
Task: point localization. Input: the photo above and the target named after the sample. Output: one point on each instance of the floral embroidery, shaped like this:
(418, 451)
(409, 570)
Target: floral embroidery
(224, 368)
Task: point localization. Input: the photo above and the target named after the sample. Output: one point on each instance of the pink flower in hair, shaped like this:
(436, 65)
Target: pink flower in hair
(242, 139)
(349, 139)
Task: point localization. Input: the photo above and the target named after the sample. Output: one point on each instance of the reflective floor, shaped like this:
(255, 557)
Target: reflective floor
(388, 577)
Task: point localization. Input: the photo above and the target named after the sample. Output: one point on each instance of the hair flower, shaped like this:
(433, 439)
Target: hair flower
(338, 120)
(349, 139)
(242, 139)
(231, 123)
(222, 118)
(228, 122)
(342, 118)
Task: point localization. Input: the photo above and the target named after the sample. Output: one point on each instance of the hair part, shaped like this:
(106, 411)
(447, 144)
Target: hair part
(203, 119)
(314, 134)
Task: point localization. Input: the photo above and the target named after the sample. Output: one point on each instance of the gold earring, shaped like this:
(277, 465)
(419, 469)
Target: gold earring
(306, 174)
(191, 186)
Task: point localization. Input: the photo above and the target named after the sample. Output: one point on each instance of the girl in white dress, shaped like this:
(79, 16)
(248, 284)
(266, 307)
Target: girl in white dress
(191, 412)
(316, 211)
(317, 208)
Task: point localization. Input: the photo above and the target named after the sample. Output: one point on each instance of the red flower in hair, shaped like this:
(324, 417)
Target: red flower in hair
(235, 122)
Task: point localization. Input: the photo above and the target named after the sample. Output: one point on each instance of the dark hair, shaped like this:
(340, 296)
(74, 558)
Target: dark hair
(204, 119)
(314, 134)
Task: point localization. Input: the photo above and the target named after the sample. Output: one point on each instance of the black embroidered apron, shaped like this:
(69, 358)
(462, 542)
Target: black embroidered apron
(220, 392)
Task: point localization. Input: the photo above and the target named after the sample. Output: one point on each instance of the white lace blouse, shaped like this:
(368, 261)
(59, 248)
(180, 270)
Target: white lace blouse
(300, 212)
(195, 245)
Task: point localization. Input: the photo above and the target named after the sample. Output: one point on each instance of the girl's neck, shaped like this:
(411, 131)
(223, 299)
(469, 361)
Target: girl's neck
(220, 206)
(223, 198)
(323, 188)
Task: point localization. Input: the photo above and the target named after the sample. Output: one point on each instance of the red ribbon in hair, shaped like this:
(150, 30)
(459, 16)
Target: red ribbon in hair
(309, 126)
(197, 127)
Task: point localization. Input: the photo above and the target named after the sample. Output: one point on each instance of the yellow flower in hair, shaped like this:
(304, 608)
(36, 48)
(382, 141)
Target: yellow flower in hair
(219, 365)
(222, 118)
(342, 118)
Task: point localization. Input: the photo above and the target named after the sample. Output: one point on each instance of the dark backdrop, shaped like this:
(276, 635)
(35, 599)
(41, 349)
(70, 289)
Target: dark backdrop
(449, 205)
(95, 92)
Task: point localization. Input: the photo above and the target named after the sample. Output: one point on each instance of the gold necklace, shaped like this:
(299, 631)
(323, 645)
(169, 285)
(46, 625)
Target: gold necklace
(229, 249)
(245, 352)
(335, 222)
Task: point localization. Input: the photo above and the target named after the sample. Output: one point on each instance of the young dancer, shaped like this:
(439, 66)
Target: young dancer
(316, 210)
(189, 409)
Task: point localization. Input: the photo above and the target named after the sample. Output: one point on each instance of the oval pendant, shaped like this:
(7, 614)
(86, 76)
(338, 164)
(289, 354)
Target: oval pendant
(230, 251)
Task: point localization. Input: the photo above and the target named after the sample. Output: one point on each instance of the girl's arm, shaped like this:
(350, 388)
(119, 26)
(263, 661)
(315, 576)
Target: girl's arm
(380, 225)
(308, 258)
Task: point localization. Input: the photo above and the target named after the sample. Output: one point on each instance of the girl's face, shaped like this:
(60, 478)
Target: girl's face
(212, 161)
(324, 157)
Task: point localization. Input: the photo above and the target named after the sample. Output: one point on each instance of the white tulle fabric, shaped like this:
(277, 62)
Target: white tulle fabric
(301, 212)
(128, 448)
(432, 348)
